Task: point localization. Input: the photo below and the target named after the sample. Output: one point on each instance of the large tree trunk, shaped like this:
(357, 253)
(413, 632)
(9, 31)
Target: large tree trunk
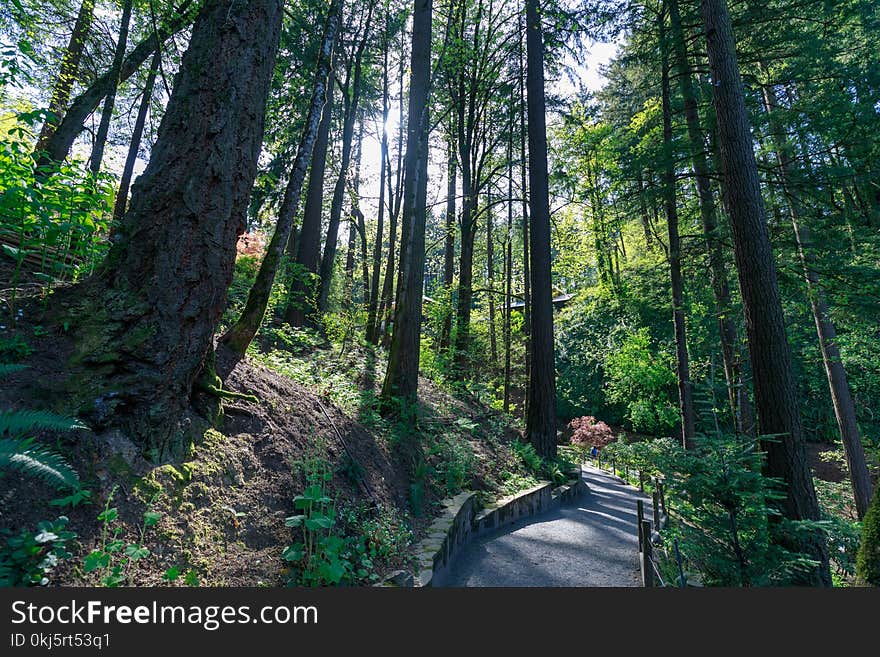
(402, 376)
(67, 75)
(58, 145)
(541, 420)
(307, 253)
(775, 389)
(841, 398)
(240, 334)
(136, 136)
(682, 361)
(112, 85)
(741, 411)
(145, 328)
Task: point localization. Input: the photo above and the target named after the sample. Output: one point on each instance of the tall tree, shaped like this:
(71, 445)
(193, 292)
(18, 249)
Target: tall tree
(240, 334)
(775, 391)
(838, 383)
(541, 418)
(306, 251)
(68, 72)
(57, 147)
(146, 325)
(449, 241)
(136, 136)
(738, 396)
(352, 86)
(110, 93)
(402, 375)
(372, 332)
(524, 218)
(682, 360)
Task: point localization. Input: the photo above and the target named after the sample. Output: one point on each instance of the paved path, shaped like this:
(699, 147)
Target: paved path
(591, 542)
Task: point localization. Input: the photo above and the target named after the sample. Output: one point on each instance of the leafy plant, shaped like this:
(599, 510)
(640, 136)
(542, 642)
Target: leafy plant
(20, 452)
(28, 558)
(316, 554)
(587, 431)
(114, 561)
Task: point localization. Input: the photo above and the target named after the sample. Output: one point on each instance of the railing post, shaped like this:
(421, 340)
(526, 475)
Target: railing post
(640, 516)
(641, 481)
(647, 549)
(662, 498)
(656, 504)
(614, 467)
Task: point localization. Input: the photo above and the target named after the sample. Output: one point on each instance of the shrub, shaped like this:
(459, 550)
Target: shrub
(589, 432)
(868, 560)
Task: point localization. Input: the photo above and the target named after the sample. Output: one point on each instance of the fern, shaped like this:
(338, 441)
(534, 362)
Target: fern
(16, 423)
(6, 369)
(18, 452)
(37, 461)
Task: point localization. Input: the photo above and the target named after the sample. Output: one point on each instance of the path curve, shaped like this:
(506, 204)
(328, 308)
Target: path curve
(590, 542)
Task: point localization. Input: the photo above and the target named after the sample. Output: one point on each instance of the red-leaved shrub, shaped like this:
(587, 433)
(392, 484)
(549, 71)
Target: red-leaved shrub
(588, 432)
(251, 244)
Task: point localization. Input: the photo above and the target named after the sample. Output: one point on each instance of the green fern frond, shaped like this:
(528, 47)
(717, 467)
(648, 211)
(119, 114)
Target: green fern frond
(6, 369)
(37, 461)
(16, 423)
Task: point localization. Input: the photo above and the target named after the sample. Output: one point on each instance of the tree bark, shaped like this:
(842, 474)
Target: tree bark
(682, 361)
(240, 334)
(58, 145)
(67, 75)
(402, 375)
(541, 420)
(775, 390)
(110, 94)
(841, 398)
(145, 327)
(136, 136)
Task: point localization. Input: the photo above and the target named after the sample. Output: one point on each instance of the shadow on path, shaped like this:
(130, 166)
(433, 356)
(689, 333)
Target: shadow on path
(592, 542)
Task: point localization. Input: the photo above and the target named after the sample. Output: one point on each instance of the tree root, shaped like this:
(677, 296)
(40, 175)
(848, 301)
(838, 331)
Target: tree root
(227, 394)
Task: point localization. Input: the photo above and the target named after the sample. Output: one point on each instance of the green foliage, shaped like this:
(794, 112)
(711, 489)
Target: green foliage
(868, 561)
(642, 381)
(28, 558)
(332, 546)
(455, 464)
(20, 452)
(62, 221)
(13, 349)
(529, 457)
(730, 526)
(115, 561)
(37, 461)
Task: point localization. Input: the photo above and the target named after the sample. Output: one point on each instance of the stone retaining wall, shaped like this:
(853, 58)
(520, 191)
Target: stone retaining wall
(462, 520)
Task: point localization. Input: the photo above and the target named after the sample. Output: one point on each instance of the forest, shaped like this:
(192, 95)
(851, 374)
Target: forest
(282, 281)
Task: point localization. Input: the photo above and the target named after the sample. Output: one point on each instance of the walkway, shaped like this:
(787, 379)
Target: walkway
(592, 542)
